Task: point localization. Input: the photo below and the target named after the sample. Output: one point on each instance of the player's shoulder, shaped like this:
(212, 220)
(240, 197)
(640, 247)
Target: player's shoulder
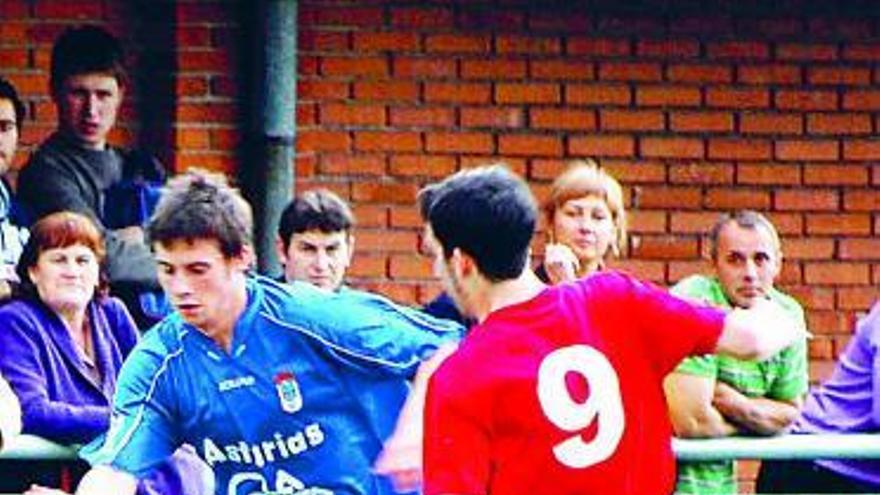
(605, 286)
(165, 339)
(470, 368)
(155, 357)
(487, 347)
(611, 278)
(293, 305)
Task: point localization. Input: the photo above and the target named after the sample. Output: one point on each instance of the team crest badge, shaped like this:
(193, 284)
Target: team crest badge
(288, 392)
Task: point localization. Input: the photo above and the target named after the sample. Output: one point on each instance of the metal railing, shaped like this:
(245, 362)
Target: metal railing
(786, 447)
(29, 447)
(851, 446)
(61, 459)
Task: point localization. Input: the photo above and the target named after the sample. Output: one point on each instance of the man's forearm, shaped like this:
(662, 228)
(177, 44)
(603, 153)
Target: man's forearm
(709, 423)
(754, 414)
(689, 398)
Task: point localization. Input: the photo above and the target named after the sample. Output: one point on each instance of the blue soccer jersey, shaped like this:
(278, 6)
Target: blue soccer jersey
(302, 402)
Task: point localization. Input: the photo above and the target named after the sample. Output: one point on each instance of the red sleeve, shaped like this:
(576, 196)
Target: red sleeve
(456, 446)
(669, 328)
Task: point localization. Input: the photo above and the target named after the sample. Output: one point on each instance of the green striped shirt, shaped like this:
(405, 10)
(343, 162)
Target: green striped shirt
(782, 377)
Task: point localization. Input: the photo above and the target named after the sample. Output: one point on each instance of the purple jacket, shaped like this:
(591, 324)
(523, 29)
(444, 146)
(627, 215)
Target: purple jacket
(849, 401)
(59, 399)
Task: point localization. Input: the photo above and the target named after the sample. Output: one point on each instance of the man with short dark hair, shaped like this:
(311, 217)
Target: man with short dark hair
(716, 396)
(76, 169)
(557, 390)
(315, 242)
(13, 233)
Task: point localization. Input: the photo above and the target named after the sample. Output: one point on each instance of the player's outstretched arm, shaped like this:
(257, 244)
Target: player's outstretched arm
(759, 332)
(401, 456)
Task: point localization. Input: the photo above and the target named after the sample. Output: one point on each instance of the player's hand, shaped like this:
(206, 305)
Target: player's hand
(42, 490)
(560, 263)
(760, 331)
(773, 310)
(401, 461)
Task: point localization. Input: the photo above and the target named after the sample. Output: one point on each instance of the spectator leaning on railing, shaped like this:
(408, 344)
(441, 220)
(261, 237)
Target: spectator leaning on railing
(714, 395)
(64, 340)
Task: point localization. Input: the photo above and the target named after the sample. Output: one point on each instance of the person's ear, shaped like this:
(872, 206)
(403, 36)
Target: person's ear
(32, 274)
(279, 249)
(350, 238)
(779, 260)
(246, 259)
(465, 263)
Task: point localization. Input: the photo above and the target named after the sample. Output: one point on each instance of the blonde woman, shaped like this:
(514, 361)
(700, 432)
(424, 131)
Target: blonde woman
(586, 223)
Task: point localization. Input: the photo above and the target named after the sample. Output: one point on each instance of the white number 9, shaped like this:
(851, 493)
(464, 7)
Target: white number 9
(603, 405)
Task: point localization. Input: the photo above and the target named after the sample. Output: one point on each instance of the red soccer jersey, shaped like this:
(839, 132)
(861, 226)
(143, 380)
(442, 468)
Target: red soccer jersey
(563, 394)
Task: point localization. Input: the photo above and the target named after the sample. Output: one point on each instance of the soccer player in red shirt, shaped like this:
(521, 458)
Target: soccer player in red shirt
(557, 390)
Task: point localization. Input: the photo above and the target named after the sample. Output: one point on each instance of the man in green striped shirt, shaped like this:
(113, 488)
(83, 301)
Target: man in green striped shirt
(716, 396)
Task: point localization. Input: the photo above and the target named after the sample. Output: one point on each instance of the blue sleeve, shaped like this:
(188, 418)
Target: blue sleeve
(28, 368)
(142, 430)
(372, 332)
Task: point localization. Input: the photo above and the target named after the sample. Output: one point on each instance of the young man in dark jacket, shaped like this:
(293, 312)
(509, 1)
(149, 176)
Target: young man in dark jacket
(76, 169)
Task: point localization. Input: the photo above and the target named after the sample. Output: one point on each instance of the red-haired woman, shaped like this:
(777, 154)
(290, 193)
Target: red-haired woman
(63, 339)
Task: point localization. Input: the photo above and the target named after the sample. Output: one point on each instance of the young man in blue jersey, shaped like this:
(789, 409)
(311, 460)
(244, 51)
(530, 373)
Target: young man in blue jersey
(280, 388)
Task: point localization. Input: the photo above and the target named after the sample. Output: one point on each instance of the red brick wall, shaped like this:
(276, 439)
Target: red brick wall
(182, 98)
(696, 111)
